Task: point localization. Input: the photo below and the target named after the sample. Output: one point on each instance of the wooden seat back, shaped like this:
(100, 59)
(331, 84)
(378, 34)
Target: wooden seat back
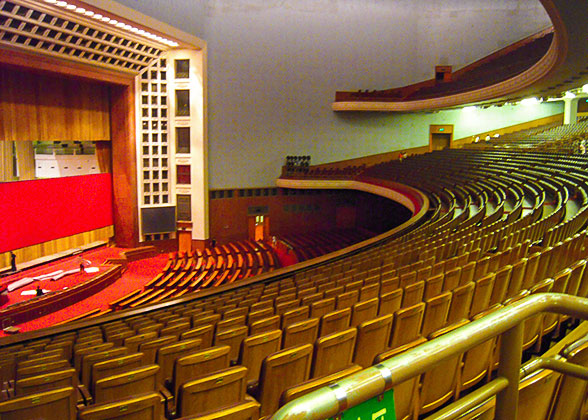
(372, 338)
(143, 407)
(303, 332)
(166, 357)
(333, 352)
(132, 382)
(199, 363)
(54, 404)
(212, 392)
(255, 348)
(280, 371)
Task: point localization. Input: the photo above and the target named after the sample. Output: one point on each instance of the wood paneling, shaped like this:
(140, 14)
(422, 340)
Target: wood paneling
(41, 107)
(43, 64)
(288, 214)
(124, 166)
(33, 252)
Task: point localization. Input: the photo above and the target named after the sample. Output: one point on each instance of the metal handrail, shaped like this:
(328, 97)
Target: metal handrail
(371, 382)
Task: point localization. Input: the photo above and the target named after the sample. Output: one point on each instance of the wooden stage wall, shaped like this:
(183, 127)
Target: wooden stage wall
(55, 246)
(37, 106)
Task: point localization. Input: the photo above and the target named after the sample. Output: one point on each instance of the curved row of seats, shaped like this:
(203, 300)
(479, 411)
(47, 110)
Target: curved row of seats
(519, 230)
(545, 136)
(312, 245)
(193, 271)
(334, 328)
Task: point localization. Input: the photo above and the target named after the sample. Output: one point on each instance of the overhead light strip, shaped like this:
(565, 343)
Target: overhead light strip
(112, 21)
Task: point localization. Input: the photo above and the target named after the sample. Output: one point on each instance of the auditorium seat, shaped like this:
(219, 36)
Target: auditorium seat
(333, 352)
(407, 325)
(58, 403)
(372, 339)
(140, 407)
(149, 348)
(39, 369)
(501, 282)
(306, 387)
(127, 384)
(439, 384)
(132, 343)
(197, 364)
(476, 362)
(215, 391)
(254, 350)
(571, 395)
(280, 371)
(536, 393)
(232, 338)
(364, 311)
(81, 352)
(435, 315)
(89, 360)
(405, 393)
(53, 380)
(390, 302)
(482, 294)
(114, 366)
(413, 294)
(335, 321)
(248, 410)
(295, 315)
(167, 355)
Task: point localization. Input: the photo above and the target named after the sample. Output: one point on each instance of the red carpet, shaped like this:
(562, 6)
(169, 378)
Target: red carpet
(285, 255)
(137, 274)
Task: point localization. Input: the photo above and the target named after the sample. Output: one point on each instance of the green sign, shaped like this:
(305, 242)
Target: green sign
(378, 408)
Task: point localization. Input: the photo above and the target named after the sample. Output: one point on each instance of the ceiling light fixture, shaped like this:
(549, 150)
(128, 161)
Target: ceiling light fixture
(114, 22)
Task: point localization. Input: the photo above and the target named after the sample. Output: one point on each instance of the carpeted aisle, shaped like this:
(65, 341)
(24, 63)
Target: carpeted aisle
(285, 254)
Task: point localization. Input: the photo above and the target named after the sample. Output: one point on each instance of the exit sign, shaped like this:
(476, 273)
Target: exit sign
(377, 408)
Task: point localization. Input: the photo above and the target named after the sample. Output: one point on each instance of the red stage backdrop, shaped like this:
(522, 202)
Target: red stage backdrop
(33, 212)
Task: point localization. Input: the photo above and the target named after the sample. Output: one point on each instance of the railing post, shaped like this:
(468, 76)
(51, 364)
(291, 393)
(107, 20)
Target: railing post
(511, 351)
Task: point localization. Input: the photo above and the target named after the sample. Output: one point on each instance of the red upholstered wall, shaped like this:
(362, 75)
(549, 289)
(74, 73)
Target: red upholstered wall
(33, 212)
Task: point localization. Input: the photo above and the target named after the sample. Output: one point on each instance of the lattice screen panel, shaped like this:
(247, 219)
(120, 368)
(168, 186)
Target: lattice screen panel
(35, 29)
(154, 134)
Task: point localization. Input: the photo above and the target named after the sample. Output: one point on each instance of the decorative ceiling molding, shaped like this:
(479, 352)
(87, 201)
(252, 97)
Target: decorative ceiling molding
(82, 33)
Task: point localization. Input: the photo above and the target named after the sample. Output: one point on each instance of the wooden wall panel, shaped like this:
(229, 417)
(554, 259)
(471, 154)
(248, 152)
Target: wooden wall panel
(288, 214)
(124, 166)
(33, 252)
(40, 107)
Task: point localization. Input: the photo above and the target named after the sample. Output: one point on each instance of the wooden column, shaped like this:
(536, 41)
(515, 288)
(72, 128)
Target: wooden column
(124, 165)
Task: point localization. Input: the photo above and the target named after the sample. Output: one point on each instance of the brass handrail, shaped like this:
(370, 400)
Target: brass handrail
(371, 382)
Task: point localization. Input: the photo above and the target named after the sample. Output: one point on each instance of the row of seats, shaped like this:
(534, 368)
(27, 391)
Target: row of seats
(190, 272)
(315, 244)
(395, 295)
(385, 323)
